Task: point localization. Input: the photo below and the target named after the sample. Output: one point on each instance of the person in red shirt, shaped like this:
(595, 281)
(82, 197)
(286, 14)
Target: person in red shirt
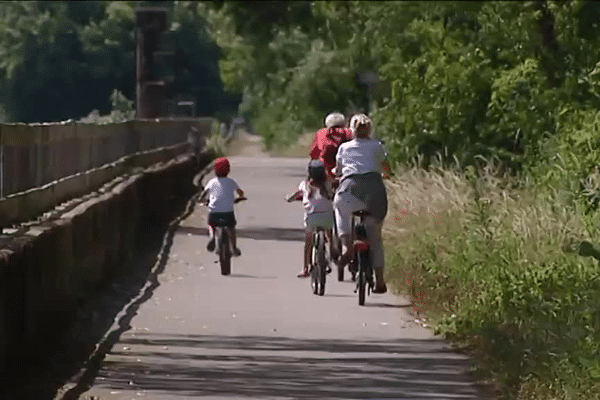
(328, 139)
(324, 148)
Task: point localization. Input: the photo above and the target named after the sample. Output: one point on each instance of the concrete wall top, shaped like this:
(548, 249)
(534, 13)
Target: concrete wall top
(20, 134)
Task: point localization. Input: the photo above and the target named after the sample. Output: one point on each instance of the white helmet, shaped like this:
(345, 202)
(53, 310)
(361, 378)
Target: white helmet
(335, 119)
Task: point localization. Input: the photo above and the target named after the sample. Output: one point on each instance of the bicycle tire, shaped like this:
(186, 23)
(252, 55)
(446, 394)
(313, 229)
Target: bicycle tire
(362, 277)
(314, 281)
(225, 252)
(321, 263)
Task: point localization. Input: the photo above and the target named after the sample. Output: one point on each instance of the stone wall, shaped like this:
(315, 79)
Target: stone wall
(48, 268)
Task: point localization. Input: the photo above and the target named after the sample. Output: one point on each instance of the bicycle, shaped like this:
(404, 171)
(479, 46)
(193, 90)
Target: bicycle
(360, 261)
(319, 262)
(223, 242)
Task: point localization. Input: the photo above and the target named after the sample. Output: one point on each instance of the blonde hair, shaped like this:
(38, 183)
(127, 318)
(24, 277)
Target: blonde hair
(361, 125)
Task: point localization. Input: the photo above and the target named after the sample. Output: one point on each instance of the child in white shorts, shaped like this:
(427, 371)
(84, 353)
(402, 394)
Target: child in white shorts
(317, 198)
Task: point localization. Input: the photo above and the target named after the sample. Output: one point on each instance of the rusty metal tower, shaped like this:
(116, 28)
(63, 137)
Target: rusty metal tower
(150, 22)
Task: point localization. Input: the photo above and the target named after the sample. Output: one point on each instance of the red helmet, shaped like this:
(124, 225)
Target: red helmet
(222, 167)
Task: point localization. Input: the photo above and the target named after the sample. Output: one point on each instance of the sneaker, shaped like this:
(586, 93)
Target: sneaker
(236, 252)
(344, 259)
(211, 244)
(380, 289)
(352, 267)
(304, 274)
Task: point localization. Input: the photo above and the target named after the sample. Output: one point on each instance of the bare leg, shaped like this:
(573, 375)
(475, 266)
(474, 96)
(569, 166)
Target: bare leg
(233, 238)
(377, 253)
(332, 251)
(210, 246)
(329, 235)
(346, 249)
(380, 286)
(307, 249)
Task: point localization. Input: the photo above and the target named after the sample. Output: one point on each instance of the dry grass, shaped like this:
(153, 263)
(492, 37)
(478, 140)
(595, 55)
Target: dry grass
(300, 149)
(245, 144)
(421, 203)
(450, 240)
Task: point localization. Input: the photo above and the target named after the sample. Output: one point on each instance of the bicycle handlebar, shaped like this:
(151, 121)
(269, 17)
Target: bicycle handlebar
(205, 203)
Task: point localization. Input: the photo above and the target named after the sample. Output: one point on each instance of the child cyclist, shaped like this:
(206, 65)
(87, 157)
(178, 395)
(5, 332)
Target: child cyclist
(317, 198)
(220, 191)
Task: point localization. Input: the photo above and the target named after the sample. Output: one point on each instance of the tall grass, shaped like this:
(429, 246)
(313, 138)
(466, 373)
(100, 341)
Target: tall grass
(493, 267)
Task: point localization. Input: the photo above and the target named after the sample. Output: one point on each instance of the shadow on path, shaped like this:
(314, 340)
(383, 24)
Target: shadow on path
(256, 233)
(387, 305)
(262, 367)
(251, 276)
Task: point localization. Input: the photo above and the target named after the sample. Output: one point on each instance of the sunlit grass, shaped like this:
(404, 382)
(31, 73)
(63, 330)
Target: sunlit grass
(488, 265)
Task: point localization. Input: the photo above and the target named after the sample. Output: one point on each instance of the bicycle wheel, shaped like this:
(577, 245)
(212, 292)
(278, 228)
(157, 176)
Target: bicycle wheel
(314, 275)
(321, 263)
(363, 259)
(225, 252)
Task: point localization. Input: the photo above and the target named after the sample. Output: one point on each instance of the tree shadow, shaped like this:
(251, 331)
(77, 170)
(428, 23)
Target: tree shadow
(338, 295)
(387, 305)
(251, 276)
(256, 233)
(262, 367)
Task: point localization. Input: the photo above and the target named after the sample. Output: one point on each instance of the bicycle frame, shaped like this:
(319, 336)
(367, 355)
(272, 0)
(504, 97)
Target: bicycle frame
(223, 237)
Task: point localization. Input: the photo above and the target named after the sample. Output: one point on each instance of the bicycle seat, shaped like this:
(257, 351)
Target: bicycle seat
(361, 213)
(221, 222)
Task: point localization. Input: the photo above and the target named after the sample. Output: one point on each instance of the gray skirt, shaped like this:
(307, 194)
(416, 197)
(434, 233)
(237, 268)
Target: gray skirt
(369, 189)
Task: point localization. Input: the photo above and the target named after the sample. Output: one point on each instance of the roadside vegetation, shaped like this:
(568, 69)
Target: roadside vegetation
(496, 268)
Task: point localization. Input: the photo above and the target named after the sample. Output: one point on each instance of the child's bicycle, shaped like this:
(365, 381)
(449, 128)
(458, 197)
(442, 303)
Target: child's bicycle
(223, 243)
(319, 262)
(361, 262)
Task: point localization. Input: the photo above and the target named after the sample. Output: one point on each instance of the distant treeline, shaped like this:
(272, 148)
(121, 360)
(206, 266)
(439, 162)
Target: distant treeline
(63, 59)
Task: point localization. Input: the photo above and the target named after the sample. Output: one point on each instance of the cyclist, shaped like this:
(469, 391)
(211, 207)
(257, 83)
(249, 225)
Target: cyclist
(324, 147)
(317, 195)
(361, 165)
(220, 191)
(327, 140)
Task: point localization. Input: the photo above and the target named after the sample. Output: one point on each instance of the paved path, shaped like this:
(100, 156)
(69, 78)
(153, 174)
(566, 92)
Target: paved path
(260, 333)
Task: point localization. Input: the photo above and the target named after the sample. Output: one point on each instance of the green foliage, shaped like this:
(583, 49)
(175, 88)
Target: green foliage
(462, 79)
(62, 59)
(292, 75)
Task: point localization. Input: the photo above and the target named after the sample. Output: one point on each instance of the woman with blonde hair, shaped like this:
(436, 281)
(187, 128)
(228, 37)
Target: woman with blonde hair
(362, 165)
